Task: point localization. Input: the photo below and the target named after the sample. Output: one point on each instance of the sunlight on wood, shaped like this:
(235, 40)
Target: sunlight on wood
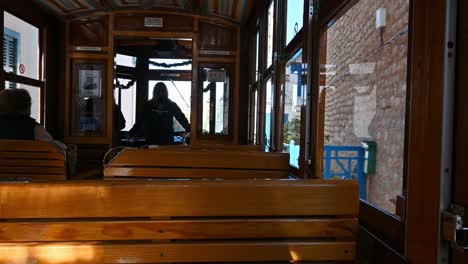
(54, 254)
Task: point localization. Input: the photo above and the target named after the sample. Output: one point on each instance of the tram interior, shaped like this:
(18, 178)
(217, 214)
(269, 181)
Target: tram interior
(296, 130)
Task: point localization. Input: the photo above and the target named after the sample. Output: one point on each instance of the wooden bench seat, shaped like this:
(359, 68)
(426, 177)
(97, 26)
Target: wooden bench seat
(197, 163)
(31, 160)
(178, 221)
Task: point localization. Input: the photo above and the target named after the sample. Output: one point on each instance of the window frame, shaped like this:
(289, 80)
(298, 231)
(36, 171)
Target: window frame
(16, 78)
(389, 228)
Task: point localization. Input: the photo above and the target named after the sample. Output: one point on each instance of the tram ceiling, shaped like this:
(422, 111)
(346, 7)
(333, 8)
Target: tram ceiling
(234, 10)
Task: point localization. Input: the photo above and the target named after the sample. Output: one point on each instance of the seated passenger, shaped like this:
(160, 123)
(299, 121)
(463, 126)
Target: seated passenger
(158, 115)
(15, 120)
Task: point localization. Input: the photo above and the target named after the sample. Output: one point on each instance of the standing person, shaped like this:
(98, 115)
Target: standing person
(157, 124)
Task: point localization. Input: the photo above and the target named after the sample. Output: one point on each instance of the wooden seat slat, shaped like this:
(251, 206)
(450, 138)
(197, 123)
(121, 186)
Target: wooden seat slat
(192, 173)
(33, 160)
(32, 163)
(34, 177)
(181, 198)
(32, 171)
(27, 145)
(177, 229)
(202, 159)
(32, 155)
(177, 252)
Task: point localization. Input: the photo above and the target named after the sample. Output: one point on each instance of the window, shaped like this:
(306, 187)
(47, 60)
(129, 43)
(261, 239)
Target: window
(22, 42)
(363, 97)
(269, 101)
(295, 17)
(21, 60)
(257, 41)
(294, 100)
(270, 32)
(125, 98)
(216, 101)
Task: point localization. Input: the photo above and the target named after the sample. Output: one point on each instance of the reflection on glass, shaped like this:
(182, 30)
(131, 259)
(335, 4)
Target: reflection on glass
(221, 122)
(363, 100)
(125, 60)
(170, 64)
(127, 102)
(89, 118)
(180, 92)
(268, 117)
(206, 108)
(256, 117)
(257, 39)
(294, 99)
(271, 13)
(88, 103)
(20, 47)
(34, 92)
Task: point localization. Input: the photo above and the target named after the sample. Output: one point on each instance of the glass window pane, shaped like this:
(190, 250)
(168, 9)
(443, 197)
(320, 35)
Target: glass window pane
(222, 108)
(216, 89)
(257, 39)
(180, 92)
(295, 16)
(294, 99)
(206, 109)
(271, 13)
(20, 47)
(362, 104)
(34, 92)
(125, 60)
(256, 118)
(127, 102)
(268, 114)
(170, 64)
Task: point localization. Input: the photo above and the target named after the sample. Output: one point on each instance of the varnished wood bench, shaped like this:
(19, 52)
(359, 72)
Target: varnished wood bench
(176, 221)
(197, 163)
(31, 160)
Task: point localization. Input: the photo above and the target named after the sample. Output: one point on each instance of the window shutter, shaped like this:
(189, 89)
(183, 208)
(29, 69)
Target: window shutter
(10, 55)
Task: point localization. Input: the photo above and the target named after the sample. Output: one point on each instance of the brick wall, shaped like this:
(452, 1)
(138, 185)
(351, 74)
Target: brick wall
(366, 98)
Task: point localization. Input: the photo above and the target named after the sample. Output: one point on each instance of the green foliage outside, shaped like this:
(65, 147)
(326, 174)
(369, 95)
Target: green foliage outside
(292, 131)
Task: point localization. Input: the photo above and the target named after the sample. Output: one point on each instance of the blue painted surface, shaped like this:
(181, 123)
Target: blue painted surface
(349, 165)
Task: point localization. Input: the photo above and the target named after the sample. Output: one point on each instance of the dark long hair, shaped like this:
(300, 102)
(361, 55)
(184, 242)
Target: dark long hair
(160, 95)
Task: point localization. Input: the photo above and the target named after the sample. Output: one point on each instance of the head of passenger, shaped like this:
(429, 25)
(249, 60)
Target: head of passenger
(160, 95)
(15, 101)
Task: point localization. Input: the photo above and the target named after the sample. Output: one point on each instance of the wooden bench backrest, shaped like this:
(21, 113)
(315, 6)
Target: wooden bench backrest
(197, 163)
(31, 160)
(178, 221)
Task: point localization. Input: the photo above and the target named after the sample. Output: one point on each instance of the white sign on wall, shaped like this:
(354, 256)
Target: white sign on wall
(154, 22)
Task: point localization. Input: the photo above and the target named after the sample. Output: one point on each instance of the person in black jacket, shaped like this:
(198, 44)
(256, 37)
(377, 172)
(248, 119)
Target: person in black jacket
(15, 120)
(158, 115)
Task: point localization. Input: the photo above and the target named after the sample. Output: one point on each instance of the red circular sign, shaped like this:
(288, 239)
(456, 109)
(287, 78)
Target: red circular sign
(22, 69)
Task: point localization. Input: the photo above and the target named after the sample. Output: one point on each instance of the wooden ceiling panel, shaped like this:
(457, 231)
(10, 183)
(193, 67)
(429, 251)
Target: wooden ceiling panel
(234, 10)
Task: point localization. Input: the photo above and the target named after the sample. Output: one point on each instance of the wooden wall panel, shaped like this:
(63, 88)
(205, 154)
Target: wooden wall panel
(215, 37)
(89, 32)
(136, 22)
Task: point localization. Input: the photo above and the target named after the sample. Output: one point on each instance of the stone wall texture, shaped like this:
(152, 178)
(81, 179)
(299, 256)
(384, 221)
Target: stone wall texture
(366, 90)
